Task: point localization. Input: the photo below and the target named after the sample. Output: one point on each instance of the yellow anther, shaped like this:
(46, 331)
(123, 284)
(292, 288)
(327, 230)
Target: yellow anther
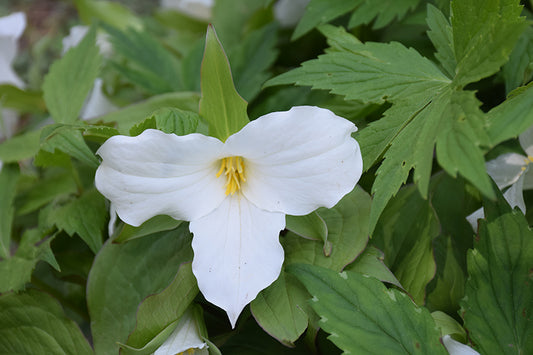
(530, 158)
(233, 168)
(187, 352)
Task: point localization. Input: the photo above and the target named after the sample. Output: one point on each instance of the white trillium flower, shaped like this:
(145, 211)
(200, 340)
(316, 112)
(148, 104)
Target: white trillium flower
(511, 170)
(97, 103)
(185, 339)
(289, 12)
(199, 9)
(456, 348)
(11, 28)
(234, 193)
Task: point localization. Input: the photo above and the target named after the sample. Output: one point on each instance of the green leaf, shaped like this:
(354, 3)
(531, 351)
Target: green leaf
(322, 11)
(310, 226)
(21, 100)
(511, 117)
(128, 116)
(112, 13)
(157, 312)
(405, 233)
(34, 323)
(84, 216)
(153, 225)
(9, 176)
(370, 72)
(484, 45)
(448, 325)
(169, 120)
(440, 34)
(347, 225)
(16, 270)
(280, 309)
(70, 79)
(370, 263)
(498, 307)
(220, 105)
(123, 275)
(383, 14)
(21, 147)
(363, 316)
(519, 69)
(149, 64)
(68, 139)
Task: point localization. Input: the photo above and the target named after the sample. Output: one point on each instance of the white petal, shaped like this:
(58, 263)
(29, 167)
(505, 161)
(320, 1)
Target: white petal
(528, 178)
(11, 28)
(97, 103)
(515, 196)
(289, 12)
(236, 253)
(74, 37)
(472, 218)
(299, 160)
(185, 336)
(456, 348)
(8, 123)
(200, 9)
(13, 25)
(157, 173)
(506, 169)
(526, 141)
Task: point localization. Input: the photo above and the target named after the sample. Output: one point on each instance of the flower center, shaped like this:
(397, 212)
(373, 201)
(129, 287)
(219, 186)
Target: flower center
(527, 161)
(187, 352)
(233, 169)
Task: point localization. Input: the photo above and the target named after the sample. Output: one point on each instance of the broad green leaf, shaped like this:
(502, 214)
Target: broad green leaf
(112, 13)
(250, 61)
(127, 117)
(498, 306)
(153, 225)
(220, 105)
(157, 312)
(84, 216)
(21, 100)
(322, 11)
(169, 120)
(482, 46)
(370, 263)
(511, 117)
(370, 72)
(383, 14)
(149, 64)
(405, 233)
(71, 78)
(440, 34)
(310, 226)
(280, 309)
(69, 140)
(56, 183)
(16, 270)
(519, 69)
(20, 147)
(363, 316)
(123, 275)
(347, 225)
(448, 325)
(9, 176)
(338, 38)
(34, 323)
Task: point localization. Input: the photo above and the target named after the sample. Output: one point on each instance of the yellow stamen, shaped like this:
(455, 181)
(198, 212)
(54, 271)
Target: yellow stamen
(530, 158)
(233, 168)
(187, 352)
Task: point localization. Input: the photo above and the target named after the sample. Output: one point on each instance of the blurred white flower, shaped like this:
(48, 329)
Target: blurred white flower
(234, 193)
(11, 28)
(97, 103)
(199, 9)
(511, 170)
(289, 12)
(185, 339)
(456, 348)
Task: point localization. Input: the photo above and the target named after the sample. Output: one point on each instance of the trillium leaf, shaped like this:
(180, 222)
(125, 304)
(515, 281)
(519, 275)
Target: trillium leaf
(363, 316)
(123, 275)
(70, 79)
(34, 323)
(498, 306)
(370, 263)
(405, 233)
(169, 120)
(21, 147)
(519, 69)
(481, 47)
(9, 176)
(153, 225)
(157, 312)
(129, 116)
(220, 105)
(310, 226)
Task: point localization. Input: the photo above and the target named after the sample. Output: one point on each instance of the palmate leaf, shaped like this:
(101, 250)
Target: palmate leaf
(498, 307)
(363, 317)
(440, 34)
(519, 69)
